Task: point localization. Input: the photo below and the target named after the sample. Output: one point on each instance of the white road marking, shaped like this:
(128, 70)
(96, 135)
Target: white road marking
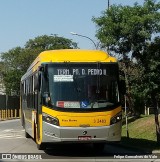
(11, 134)
(7, 130)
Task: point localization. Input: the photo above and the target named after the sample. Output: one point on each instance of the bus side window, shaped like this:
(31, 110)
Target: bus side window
(24, 88)
(35, 90)
(35, 82)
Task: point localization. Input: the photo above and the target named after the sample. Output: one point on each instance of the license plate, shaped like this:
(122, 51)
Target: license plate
(84, 138)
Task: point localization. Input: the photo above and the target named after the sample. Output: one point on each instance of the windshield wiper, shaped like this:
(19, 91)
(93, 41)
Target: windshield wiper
(93, 103)
(97, 86)
(78, 89)
(98, 81)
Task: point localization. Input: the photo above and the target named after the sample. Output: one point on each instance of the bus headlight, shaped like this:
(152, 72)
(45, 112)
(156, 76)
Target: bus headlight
(116, 118)
(50, 119)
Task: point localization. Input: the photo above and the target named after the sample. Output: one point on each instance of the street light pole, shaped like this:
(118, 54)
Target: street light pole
(108, 4)
(84, 37)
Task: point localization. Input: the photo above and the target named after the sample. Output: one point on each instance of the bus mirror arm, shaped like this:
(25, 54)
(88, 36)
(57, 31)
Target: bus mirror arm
(44, 69)
(37, 83)
(36, 86)
(40, 68)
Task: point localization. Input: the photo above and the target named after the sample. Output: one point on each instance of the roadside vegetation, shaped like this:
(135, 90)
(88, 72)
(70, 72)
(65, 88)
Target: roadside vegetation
(131, 33)
(142, 133)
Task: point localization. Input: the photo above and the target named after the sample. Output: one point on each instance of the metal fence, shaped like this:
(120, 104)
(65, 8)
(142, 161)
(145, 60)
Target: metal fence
(9, 107)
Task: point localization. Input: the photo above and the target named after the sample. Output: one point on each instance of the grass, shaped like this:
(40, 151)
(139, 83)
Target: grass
(142, 133)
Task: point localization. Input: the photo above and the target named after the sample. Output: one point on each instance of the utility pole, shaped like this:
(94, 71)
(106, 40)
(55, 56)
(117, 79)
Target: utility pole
(108, 4)
(126, 116)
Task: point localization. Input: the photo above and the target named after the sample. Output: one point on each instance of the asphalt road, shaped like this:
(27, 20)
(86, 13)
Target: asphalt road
(13, 145)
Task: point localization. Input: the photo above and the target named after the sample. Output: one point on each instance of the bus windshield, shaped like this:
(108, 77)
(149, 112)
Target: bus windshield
(84, 86)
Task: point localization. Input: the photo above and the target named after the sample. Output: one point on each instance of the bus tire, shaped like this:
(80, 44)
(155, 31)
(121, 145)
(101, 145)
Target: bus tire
(27, 135)
(98, 147)
(35, 135)
(41, 146)
(22, 121)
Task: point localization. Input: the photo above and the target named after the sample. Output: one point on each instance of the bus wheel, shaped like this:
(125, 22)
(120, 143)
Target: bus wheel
(35, 136)
(22, 121)
(27, 135)
(99, 147)
(41, 146)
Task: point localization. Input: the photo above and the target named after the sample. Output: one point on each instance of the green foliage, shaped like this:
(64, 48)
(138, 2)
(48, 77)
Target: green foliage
(151, 66)
(142, 134)
(17, 60)
(125, 29)
(142, 128)
(50, 42)
(128, 31)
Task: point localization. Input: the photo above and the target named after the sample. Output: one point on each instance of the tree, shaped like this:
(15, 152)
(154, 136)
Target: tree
(11, 64)
(125, 30)
(132, 73)
(50, 42)
(129, 32)
(151, 77)
(17, 60)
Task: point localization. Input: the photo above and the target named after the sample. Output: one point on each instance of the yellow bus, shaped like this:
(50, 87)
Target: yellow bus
(71, 96)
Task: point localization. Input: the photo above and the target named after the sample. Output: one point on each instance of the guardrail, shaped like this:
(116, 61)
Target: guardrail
(9, 114)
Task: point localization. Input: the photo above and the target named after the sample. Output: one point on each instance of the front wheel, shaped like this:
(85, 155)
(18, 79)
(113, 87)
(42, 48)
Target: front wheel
(27, 135)
(41, 146)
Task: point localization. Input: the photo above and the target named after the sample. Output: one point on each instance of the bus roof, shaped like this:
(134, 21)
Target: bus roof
(72, 55)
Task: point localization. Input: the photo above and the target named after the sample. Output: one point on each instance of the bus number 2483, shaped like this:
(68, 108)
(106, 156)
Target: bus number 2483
(99, 120)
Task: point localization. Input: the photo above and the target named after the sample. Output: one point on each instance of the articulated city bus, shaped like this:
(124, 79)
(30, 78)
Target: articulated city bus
(71, 96)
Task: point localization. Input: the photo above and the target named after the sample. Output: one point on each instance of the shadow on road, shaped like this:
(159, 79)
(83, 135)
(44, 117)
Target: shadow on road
(144, 145)
(87, 150)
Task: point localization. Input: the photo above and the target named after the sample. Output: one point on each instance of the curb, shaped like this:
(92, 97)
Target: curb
(9, 119)
(156, 151)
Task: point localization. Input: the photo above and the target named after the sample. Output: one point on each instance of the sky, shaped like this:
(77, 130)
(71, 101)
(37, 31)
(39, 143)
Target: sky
(21, 20)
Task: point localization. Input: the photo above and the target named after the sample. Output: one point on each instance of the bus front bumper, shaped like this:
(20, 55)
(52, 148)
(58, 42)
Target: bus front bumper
(56, 134)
